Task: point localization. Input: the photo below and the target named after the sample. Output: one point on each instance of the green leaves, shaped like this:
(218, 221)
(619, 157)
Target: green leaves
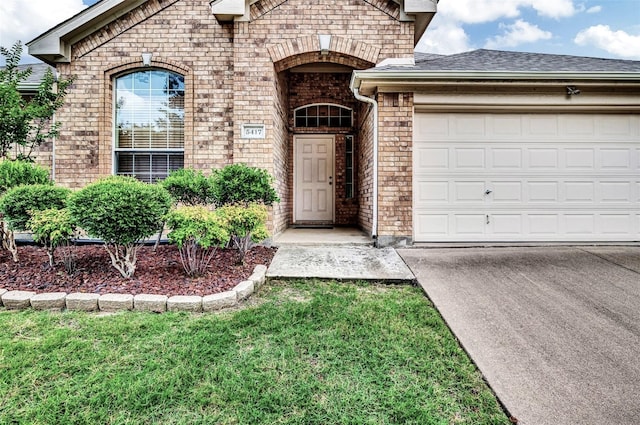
(198, 225)
(27, 123)
(198, 232)
(51, 227)
(239, 183)
(19, 203)
(189, 187)
(16, 173)
(120, 210)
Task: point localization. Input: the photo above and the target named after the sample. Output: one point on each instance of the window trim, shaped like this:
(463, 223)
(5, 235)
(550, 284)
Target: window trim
(114, 95)
(329, 105)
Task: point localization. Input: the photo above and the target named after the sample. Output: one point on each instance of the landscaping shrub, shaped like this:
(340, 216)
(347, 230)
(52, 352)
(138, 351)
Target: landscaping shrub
(239, 183)
(121, 211)
(53, 228)
(19, 203)
(189, 187)
(198, 232)
(16, 173)
(246, 225)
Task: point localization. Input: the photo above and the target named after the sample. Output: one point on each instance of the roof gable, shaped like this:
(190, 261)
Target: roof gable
(55, 45)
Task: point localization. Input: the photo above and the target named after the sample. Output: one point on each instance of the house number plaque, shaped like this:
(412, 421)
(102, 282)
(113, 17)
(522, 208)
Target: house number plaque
(253, 131)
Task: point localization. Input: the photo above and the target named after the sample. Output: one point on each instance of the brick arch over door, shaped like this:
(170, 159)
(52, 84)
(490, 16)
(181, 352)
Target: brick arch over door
(344, 51)
(107, 114)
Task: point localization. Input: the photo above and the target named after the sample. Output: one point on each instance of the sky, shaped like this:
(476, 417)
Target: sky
(595, 28)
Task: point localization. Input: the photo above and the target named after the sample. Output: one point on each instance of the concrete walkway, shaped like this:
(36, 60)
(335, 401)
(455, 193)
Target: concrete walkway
(339, 262)
(554, 330)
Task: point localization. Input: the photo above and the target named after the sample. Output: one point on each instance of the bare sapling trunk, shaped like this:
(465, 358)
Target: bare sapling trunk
(123, 258)
(9, 241)
(243, 244)
(195, 259)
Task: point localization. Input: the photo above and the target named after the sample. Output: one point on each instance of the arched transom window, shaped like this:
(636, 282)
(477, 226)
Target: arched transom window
(149, 124)
(323, 115)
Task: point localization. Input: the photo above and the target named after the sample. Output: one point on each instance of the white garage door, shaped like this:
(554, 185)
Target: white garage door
(526, 177)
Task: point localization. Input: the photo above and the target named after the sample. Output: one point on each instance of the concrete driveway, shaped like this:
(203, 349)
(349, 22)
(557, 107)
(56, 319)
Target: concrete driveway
(555, 330)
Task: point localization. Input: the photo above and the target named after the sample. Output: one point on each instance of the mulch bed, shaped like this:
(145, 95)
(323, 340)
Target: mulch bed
(158, 272)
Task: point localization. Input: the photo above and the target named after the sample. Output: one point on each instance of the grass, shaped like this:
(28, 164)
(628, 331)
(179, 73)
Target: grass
(298, 353)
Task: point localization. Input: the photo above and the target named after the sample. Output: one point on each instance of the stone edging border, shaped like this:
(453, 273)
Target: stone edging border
(81, 301)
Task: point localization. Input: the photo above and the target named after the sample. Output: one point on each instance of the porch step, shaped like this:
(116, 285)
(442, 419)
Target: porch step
(351, 263)
(340, 236)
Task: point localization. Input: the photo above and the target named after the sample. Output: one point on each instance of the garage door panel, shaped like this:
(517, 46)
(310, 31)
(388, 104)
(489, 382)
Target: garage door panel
(432, 158)
(615, 224)
(615, 159)
(542, 158)
(432, 226)
(579, 191)
(543, 191)
(506, 158)
(614, 192)
(432, 192)
(580, 158)
(544, 225)
(469, 224)
(506, 224)
(469, 158)
(469, 191)
(529, 177)
(505, 191)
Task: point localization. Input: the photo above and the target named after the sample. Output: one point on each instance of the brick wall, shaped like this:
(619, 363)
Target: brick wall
(179, 35)
(395, 142)
(235, 73)
(365, 167)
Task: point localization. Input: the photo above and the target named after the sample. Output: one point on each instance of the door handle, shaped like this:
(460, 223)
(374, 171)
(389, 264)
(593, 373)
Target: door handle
(330, 180)
(487, 192)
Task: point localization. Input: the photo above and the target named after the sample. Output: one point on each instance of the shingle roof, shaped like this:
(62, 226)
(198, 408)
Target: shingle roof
(503, 61)
(37, 74)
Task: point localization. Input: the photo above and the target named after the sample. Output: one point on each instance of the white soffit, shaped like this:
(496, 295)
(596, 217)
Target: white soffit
(55, 45)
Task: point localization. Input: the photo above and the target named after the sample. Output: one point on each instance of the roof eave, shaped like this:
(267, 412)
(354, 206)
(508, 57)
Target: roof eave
(368, 80)
(54, 46)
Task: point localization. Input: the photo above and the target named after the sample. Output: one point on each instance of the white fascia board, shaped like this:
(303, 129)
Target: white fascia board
(55, 44)
(228, 10)
(387, 78)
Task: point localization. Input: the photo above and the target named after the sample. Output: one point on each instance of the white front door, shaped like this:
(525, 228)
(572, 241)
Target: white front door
(313, 181)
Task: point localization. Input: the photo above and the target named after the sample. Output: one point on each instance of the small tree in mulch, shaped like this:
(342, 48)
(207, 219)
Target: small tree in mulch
(121, 211)
(242, 194)
(20, 203)
(246, 225)
(198, 233)
(27, 123)
(53, 228)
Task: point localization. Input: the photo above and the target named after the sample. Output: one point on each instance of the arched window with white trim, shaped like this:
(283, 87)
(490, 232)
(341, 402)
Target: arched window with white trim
(323, 115)
(149, 124)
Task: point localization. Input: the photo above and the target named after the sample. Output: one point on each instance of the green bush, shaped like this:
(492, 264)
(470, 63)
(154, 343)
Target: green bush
(16, 173)
(239, 183)
(121, 211)
(19, 203)
(189, 187)
(246, 225)
(53, 228)
(198, 233)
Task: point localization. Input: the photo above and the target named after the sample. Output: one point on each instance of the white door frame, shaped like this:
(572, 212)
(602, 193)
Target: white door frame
(332, 162)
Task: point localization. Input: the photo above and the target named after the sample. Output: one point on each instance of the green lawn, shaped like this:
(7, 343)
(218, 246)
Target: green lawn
(297, 353)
